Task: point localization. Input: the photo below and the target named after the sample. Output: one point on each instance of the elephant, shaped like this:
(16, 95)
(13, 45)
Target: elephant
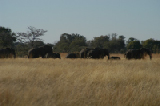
(138, 53)
(39, 52)
(83, 52)
(73, 55)
(114, 58)
(7, 53)
(98, 53)
(52, 55)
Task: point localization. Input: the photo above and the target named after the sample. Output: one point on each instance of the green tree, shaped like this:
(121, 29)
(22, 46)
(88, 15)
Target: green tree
(134, 45)
(62, 47)
(99, 41)
(131, 39)
(121, 38)
(148, 43)
(114, 44)
(21, 49)
(152, 45)
(35, 44)
(70, 43)
(121, 44)
(7, 37)
(154, 49)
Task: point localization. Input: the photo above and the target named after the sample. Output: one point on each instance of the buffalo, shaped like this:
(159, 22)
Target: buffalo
(114, 58)
(52, 55)
(98, 53)
(7, 53)
(138, 53)
(39, 52)
(73, 55)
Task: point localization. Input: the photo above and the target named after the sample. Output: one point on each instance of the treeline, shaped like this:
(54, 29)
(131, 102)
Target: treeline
(22, 42)
(76, 42)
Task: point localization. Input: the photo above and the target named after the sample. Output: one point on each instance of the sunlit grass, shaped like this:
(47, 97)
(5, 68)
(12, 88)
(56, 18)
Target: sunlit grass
(79, 82)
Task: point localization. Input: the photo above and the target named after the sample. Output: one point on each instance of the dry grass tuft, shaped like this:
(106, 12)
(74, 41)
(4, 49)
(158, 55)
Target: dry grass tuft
(79, 82)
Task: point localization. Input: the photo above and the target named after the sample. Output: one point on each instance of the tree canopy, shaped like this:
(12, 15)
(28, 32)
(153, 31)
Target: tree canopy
(74, 42)
(70, 43)
(31, 36)
(7, 37)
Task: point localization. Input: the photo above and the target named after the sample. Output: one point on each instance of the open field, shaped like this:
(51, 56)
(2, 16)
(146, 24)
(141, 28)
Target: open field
(80, 82)
(63, 55)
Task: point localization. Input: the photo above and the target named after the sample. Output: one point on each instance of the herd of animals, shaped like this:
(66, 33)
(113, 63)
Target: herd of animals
(97, 53)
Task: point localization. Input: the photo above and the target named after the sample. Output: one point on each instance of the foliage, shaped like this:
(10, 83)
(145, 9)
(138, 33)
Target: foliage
(21, 49)
(32, 35)
(114, 44)
(131, 39)
(134, 45)
(152, 45)
(35, 44)
(148, 43)
(7, 37)
(70, 43)
(99, 41)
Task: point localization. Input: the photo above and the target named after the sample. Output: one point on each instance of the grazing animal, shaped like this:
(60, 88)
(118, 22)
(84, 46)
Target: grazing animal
(52, 55)
(39, 52)
(7, 53)
(98, 53)
(138, 53)
(73, 55)
(114, 58)
(84, 52)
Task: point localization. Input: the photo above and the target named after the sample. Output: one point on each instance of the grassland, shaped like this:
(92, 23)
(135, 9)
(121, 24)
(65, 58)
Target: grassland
(80, 82)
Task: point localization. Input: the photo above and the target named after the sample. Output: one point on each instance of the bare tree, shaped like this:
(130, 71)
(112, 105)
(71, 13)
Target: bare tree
(32, 35)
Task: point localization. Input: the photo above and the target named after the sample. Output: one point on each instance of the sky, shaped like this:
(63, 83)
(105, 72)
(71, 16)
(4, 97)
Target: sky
(91, 18)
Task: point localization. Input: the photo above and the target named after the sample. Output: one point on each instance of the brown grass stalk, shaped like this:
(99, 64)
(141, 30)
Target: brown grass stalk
(79, 82)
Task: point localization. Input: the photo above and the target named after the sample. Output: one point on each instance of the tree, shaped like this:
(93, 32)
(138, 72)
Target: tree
(121, 44)
(134, 45)
(152, 45)
(21, 49)
(99, 41)
(7, 37)
(121, 38)
(113, 44)
(148, 43)
(131, 39)
(70, 43)
(114, 36)
(35, 44)
(32, 35)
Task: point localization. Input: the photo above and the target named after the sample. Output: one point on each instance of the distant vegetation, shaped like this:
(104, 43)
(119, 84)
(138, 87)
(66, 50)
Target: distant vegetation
(74, 42)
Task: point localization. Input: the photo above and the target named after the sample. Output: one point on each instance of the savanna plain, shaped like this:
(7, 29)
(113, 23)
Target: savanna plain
(80, 82)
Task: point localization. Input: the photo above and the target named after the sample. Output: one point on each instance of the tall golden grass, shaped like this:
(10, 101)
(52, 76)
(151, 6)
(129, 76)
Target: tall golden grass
(79, 82)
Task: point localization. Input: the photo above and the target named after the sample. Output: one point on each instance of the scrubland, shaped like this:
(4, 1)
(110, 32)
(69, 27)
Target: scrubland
(80, 82)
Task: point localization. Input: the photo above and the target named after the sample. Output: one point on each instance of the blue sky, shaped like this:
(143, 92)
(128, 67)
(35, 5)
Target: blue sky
(90, 18)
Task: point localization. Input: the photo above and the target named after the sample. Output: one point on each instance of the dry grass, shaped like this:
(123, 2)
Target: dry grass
(79, 82)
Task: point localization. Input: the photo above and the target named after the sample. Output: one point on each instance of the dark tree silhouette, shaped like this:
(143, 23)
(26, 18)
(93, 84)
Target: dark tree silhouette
(32, 35)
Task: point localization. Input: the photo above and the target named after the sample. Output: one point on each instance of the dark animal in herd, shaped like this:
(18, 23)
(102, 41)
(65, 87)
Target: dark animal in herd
(73, 55)
(138, 53)
(114, 58)
(46, 52)
(94, 53)
(52, 55)
(7, 53)
(83, 53)
(39, 52)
